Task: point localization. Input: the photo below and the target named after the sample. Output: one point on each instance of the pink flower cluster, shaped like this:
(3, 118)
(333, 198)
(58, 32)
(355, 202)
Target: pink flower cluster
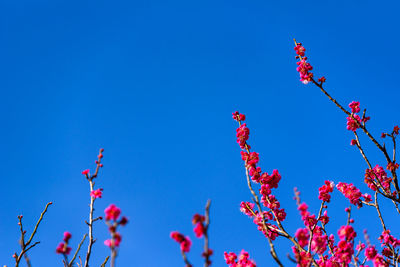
(388, 240)
(242, 261)
(353, 123)
(184, 241)
(353, 194)
(198, 221)
(377, 176)
(98, 193)
(267, 182)
(112, 213)
(304, 67)
(200, 230)
(62, 247)
(347, 233)
(325, 190)
(343, 252)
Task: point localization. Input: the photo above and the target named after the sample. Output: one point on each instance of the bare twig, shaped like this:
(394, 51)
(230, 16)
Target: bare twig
(25, 247)
(105, 261)
(185, 259)
(379, 211)
(77, 251)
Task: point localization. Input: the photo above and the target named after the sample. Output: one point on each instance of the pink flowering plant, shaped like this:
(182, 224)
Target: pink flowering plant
(64, 248)
(313, 243)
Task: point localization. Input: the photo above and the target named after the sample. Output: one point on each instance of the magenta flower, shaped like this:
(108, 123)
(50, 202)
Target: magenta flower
(97, 193)
(112, 212)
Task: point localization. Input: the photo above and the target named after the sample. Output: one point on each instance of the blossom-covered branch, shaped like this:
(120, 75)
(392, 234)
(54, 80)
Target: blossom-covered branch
(93, 195)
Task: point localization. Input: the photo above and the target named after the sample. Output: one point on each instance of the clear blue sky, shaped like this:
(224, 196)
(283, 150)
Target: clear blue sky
(154, 83)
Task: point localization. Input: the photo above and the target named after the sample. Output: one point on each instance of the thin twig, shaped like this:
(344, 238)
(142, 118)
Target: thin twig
(90, 224)
(37, 224)
(77, 251)
(206, 241)
(25, 247)
(185, 259)
(105, 261)
(379, 212)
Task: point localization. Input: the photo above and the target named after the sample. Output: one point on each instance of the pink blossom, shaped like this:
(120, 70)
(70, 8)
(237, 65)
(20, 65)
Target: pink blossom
(97, 193)
(387, 239)
(230, 258)
(67, 236)
(325, 190)
(304, 69)
(238, 117)
(184, 241)
(355, 107)
(370, 252)
(62, 248)
(352, 124)
(347, 233)
(247, 208)
(379, 261)
(377, 173)
(199, 229)
(186, 244)
(302, 235)
(85, 172)
(242, 261)
(251, 158)
(242, 135)
(112, 212)
(343, 252)
(319, 241)
(350, 192)
(300, 50)
(115, 241)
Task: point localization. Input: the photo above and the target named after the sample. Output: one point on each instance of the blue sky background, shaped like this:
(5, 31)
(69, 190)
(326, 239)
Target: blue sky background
(154, 83)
